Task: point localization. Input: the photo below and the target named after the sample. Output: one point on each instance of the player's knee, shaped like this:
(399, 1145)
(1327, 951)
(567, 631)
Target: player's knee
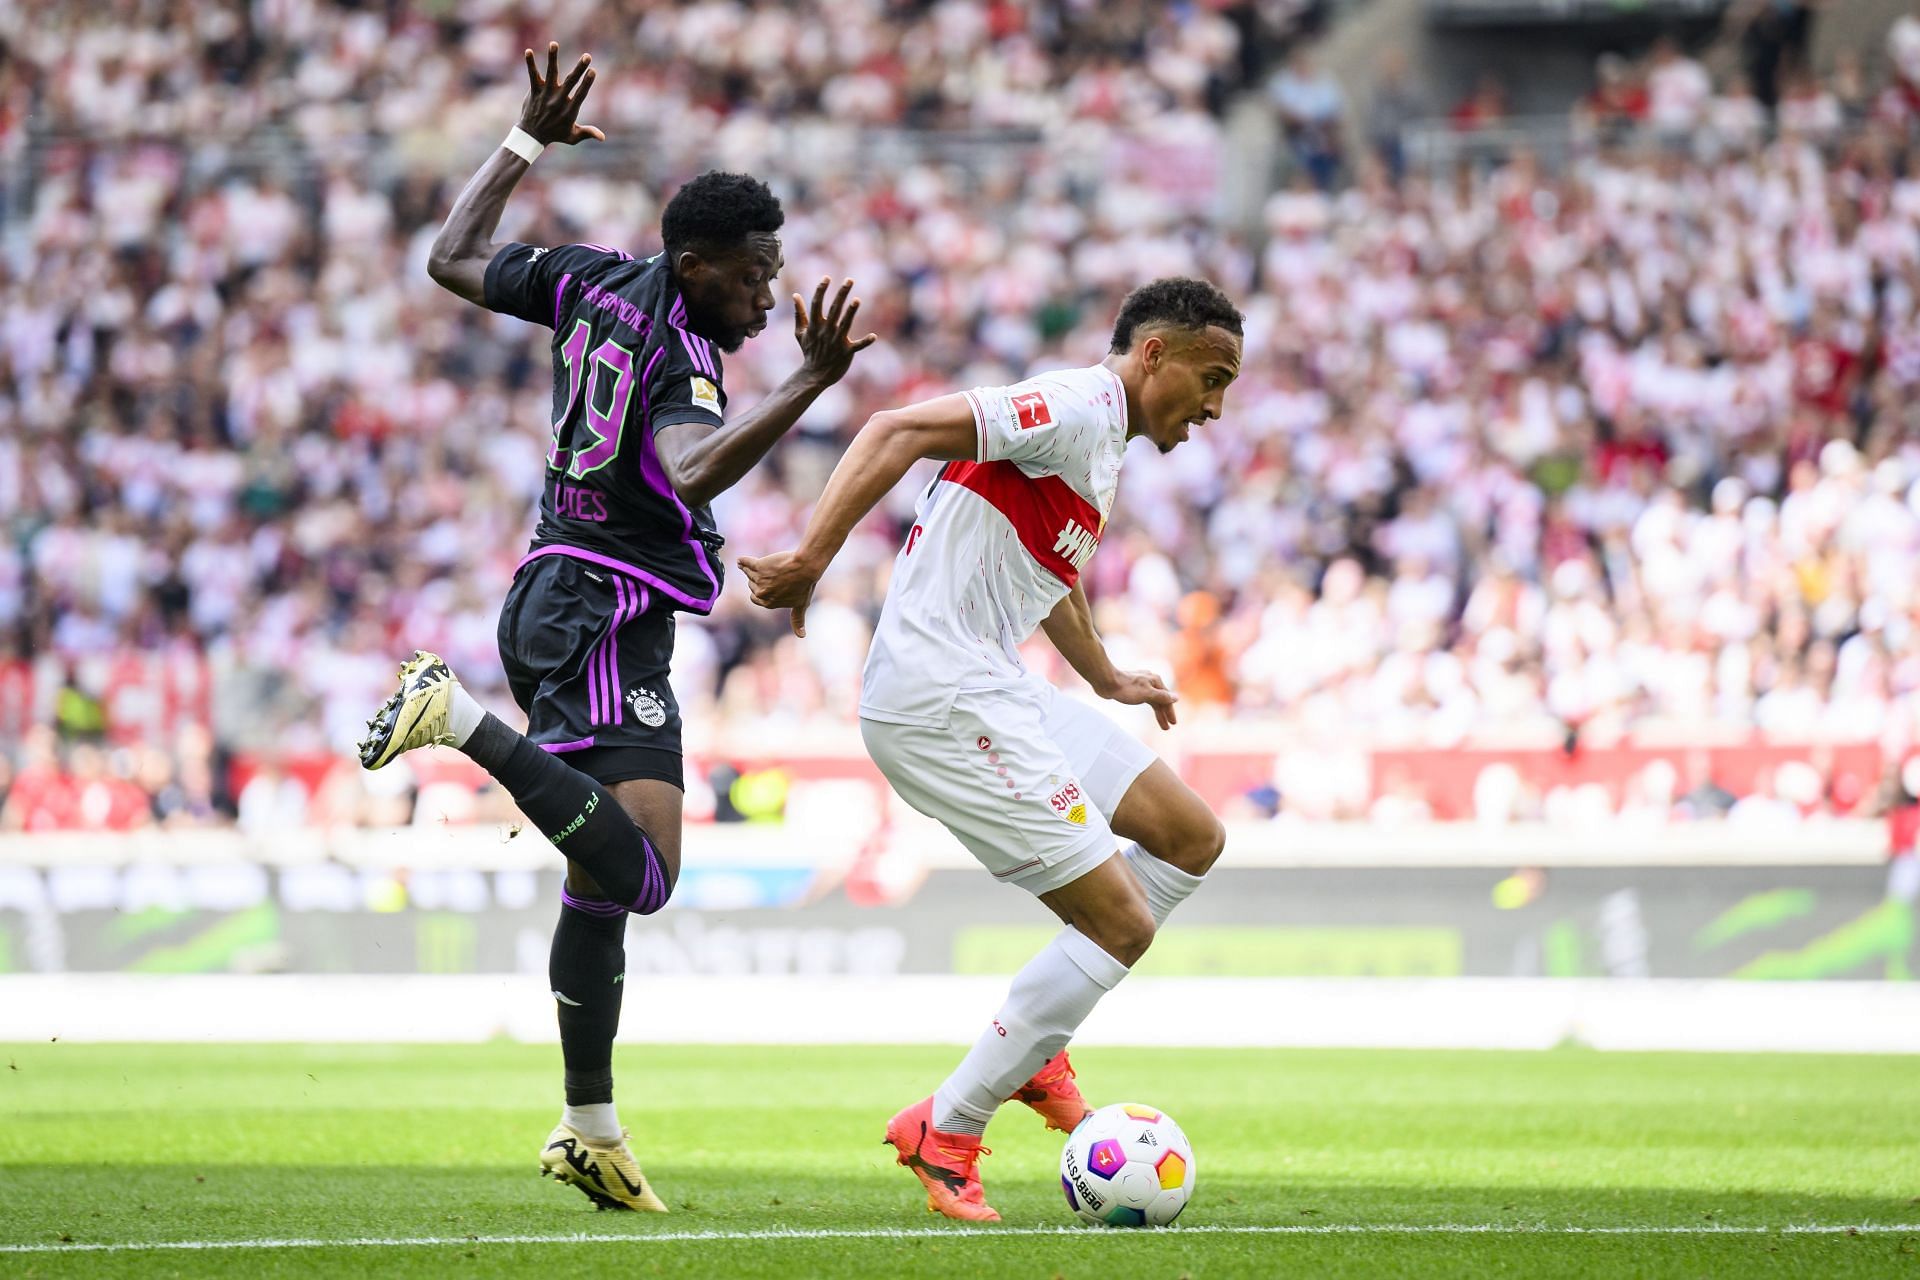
(1208, 843)
(1124, 933)
(1197, 844)
(656, 887)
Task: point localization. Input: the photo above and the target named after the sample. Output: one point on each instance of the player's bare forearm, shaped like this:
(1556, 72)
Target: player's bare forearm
(460, 254)
(1070, 628)
(702, 465)
(878, 459)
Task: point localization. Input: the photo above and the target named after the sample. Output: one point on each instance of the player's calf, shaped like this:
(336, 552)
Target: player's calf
(575, 812)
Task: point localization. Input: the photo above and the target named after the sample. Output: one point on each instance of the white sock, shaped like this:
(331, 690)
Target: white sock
(1167, 886)
(597, 1121)
(1048, 1001)
(463, 715)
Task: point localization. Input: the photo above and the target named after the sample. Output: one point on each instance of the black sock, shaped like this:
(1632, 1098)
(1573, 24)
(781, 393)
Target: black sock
(577, 814)
(586, 967)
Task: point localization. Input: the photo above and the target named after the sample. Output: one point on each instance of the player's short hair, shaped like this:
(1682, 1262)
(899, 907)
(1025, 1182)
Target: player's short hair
(716, 211)
(1178, 301)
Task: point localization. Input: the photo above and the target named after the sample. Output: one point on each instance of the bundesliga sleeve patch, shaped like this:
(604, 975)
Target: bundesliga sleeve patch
(705, 394)
(1031, 406)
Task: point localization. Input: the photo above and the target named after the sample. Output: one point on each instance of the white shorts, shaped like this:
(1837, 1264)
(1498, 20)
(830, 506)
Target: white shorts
(1025, 777)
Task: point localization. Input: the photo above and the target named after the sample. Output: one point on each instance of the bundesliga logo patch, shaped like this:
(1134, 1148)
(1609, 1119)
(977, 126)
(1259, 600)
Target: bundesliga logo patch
(647, 708)
(1032, 410)
(705, 394)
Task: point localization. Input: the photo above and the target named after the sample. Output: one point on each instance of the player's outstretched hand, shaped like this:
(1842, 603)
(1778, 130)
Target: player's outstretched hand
(552, 104)
(781, 581)
(1135, 687)
(826, 352)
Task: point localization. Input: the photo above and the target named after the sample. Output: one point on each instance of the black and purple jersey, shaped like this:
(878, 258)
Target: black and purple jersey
(624, 367)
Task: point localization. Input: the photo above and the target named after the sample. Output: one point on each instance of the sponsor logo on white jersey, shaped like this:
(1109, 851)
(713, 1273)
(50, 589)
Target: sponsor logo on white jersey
(1076, 544)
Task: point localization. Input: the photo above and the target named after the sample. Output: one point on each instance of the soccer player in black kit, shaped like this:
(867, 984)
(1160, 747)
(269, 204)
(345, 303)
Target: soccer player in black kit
(625, 540)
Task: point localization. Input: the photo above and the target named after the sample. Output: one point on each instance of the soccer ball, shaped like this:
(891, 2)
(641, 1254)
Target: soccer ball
(1127, 1165)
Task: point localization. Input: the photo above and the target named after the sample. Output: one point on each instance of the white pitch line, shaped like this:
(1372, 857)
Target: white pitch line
(960, 1233)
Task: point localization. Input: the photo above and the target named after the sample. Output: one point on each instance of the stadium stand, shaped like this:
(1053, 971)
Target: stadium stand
(1615, 448)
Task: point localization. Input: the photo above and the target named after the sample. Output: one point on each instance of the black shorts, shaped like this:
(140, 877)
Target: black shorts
(586, 651)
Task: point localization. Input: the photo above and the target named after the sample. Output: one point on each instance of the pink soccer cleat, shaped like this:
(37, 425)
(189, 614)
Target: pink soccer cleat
(1054, 1095)
(947, 1164)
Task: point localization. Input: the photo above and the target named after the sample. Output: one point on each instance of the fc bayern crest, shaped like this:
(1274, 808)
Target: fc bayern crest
(647, 708)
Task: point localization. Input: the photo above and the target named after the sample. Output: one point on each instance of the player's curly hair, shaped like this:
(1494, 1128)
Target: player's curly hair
(1179, 301)
(716, 211)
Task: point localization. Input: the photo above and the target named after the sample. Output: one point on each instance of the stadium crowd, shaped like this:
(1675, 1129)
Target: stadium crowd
(1515, 449)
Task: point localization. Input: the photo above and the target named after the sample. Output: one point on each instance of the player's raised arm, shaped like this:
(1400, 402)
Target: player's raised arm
(1070, 628)
(883, 452)
(702, 461)
(460, 254)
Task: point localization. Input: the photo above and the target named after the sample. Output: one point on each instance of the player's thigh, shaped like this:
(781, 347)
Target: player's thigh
(1105, 757)
(1005, 790)
(1167, 818)
(556, 633)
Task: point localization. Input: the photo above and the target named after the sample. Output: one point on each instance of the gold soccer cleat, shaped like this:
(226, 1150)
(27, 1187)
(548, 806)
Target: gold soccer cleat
(416, 714)
(606, 1172)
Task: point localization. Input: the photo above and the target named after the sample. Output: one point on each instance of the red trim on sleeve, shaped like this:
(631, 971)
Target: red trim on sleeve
(979, 426)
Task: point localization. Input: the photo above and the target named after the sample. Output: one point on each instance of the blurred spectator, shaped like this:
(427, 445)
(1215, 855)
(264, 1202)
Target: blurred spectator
(1624, 443)
(1396, 103)
(1309, 103)
(272, 801)
(1484, 107)
(1678, 91)
(1620, 99)
(1774, 35)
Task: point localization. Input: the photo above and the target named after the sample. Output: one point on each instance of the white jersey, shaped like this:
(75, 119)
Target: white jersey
(997, 542)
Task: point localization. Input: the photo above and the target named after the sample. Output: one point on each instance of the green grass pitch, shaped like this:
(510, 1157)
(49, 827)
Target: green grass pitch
(421, 1160)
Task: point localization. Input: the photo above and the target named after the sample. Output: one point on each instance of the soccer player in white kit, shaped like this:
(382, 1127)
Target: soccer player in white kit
(1048, 794)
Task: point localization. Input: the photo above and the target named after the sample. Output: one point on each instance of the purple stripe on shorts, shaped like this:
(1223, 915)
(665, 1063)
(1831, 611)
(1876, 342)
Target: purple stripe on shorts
(608, 675)
(595, 711)
(597, 679)
(591, 906)
(558, 291)
(597, 682)
(672, 592)
(611, 669)
(560, 748)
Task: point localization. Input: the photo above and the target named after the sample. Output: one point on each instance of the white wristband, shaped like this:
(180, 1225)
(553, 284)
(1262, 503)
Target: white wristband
(524, 144)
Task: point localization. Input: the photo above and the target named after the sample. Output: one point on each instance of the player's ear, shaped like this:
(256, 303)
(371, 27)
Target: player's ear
(689, 265)
(1153, 350)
